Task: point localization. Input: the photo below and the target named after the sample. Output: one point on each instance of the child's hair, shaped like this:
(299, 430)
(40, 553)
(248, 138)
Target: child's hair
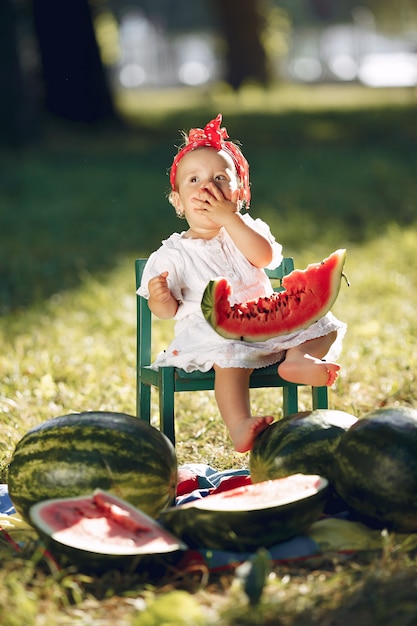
(213, 136)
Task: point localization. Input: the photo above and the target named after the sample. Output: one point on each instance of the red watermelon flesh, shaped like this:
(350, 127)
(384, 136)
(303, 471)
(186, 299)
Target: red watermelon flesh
(101, 524)
(307, 296)
(271, 493)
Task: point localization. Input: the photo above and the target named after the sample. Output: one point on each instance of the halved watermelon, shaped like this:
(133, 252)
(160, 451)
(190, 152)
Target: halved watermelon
(251, 516)
(101, 531)
(308, 295)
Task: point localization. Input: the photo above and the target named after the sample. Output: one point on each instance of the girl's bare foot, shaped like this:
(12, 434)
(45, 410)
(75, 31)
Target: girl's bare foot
(245, 430)
(308, 370)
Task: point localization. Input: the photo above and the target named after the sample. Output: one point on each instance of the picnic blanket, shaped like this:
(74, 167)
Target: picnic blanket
(334, 533)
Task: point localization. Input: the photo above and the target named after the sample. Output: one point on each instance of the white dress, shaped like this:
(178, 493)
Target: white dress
(191, 264)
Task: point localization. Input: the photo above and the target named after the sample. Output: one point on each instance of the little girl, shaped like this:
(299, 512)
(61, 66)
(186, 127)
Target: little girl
(209, 185)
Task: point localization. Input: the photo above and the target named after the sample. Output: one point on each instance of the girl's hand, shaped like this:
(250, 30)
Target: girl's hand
(158, 288)
(161, 301)
(223, 212)
(212, 200)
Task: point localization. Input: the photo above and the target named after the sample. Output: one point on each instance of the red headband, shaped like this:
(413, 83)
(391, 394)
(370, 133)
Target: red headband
(213, 136)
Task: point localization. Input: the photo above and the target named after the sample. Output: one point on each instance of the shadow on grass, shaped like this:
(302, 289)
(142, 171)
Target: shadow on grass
(78, 201)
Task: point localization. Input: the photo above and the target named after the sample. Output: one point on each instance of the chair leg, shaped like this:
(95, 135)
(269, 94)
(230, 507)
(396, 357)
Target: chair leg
(320, 397)
(290, 399)
(167, 402)
(143, 401)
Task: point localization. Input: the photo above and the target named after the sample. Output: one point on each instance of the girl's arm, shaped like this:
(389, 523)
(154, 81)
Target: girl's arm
(254, 246)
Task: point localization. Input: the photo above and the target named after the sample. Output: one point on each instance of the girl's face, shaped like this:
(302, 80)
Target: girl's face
(195, 170)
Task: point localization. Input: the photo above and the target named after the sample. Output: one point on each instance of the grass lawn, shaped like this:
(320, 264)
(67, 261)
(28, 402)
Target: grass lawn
(331, 167)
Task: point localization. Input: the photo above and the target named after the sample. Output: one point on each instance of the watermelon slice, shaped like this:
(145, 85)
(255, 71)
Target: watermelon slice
(245, 518)
(307, 296)
(100, 531)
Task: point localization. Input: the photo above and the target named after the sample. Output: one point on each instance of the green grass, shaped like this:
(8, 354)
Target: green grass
(330, 168)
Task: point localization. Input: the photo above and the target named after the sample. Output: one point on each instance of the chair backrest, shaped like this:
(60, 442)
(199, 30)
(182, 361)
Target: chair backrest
(286, 266)
(144, 317)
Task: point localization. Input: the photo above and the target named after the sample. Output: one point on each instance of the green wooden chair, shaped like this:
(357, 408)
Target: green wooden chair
(169, 380)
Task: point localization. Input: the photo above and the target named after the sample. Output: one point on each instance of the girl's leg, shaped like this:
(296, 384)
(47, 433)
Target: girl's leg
(233, 399)
(303, 364)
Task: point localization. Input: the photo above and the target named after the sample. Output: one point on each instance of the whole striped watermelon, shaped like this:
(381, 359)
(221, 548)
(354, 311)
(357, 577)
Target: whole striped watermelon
(300, 443)
(75, 454)
(375, 469)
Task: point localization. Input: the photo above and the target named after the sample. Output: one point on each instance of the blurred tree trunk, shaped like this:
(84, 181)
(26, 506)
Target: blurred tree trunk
(13, 112)
(324, 9)
(75, 81)
(242, 25)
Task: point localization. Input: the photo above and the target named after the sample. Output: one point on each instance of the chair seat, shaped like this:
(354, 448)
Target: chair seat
(189, 381)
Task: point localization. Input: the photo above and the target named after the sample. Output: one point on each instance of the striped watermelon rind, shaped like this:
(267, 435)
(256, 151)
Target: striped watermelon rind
(375, 468)
(299, 443)
(74, 454)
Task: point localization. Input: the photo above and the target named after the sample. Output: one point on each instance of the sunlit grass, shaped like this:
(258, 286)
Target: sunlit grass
(151, 105)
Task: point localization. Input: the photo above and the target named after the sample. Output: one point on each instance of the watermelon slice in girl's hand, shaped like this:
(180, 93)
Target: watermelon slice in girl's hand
(308, 295)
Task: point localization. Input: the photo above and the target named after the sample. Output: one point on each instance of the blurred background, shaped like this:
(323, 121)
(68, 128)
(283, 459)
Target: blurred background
(322, 94)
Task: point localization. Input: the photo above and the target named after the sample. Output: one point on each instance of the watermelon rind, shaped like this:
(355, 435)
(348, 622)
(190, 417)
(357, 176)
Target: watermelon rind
(99, 556)
(302, 442)
(74, 454)
(232, 525)
(375, 468)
